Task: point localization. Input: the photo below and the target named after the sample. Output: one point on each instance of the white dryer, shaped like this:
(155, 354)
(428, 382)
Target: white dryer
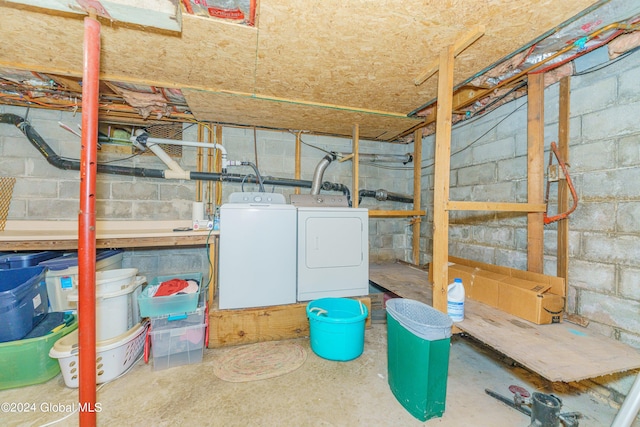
(333, 252)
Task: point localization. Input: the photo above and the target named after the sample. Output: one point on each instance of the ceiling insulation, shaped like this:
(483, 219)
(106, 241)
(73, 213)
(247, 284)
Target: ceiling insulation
(320, 66)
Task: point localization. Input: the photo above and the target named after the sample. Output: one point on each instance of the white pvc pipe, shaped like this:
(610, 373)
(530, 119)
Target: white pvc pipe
(630, 407)
(166, 159)
(222, 149)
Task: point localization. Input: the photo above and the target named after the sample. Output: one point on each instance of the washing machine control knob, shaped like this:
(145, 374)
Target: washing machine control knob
(257, 199)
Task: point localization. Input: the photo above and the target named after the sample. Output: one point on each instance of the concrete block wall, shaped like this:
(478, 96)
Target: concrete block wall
(489, 164)
(43, 192)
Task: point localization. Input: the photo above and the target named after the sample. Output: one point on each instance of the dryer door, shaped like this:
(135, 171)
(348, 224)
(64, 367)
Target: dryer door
(333, 253)
(333, 242)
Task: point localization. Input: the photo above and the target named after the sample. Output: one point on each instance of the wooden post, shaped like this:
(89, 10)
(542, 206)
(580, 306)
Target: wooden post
(417, 189)
(356, 165)
(200, 163)
(298, 157)
(563, 188)
(441, 181)
(218, 166)
(535, 172)
(211, 156)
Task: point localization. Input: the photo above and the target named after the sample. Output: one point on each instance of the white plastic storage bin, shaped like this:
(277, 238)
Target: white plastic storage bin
(113, 357)
(178, 341)
(116, 310)
(62, 275)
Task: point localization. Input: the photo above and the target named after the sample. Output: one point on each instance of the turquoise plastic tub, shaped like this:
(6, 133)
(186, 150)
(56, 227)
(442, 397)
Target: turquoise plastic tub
(336, 328)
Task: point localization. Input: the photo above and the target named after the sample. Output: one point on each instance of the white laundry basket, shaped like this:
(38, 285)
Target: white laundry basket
(116, 311)
(113, 357)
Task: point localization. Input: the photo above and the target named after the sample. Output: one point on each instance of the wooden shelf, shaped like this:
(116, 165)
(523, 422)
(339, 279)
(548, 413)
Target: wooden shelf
(63, 235)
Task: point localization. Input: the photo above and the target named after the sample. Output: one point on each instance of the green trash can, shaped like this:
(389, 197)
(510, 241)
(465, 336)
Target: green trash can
(418, 340)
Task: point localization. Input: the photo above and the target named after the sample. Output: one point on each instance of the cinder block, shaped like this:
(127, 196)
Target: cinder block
(611, 310)
(593, 216)
(628, 217)
(598, 95)
(134, 190)
(501, 237)
(498, 192)
(629, 280)
(161, 210)
(478, 174)
(628, 81)
(607, 248)
(616, 120)
(513, 259)
(495, 150)
(43, 208)
(512, 169)
(611, 184)
(629, 150)
(593, 276)
(12, 166)
(112, 209)
(596, 155)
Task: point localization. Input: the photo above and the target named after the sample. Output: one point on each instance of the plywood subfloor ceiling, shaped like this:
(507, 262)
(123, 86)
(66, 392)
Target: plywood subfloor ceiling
(321, 66)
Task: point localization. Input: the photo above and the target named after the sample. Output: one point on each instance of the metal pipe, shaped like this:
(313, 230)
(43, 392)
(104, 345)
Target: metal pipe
(630, 407)
(87, 224)
(319, 172)
(55, 160)
(384, 195)
(383, 158)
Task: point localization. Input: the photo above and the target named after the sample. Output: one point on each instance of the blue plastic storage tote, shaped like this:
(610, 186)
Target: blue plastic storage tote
(336, 327)
(25, 259)
(23, 301)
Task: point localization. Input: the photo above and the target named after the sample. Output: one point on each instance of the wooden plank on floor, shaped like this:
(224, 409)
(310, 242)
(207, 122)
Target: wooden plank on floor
(403, 280)
(558, 352)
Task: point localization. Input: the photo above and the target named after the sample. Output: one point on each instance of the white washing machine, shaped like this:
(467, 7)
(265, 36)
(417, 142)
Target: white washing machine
(333, 252)
(257, 259)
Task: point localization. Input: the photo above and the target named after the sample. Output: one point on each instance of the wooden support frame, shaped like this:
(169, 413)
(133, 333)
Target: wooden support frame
(535, 206)
(298, 155)
(441, 181)
(563, 187)
(535, 172)
(461, 43)
(417, 190)
(251, 325)
(356, 166)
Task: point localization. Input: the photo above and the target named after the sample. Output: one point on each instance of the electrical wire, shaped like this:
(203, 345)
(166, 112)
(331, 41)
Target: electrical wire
(608, 63)
(478, 138)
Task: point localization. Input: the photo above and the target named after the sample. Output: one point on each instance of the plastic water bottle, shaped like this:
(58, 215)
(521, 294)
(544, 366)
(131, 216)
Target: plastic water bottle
(455, 300)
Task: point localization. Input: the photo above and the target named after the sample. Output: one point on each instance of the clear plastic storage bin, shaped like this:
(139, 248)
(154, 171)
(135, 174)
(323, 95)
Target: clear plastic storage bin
(178, 340)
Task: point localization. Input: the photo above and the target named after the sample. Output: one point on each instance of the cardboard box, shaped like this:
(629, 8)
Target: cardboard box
(535, 297)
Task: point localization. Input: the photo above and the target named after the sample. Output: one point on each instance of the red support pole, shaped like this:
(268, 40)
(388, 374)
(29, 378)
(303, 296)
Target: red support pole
(87, 224)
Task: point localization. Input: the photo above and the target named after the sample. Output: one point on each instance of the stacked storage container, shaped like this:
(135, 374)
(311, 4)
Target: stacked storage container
(120, 331)
(178, 323)
(28, 330)
(62, 275)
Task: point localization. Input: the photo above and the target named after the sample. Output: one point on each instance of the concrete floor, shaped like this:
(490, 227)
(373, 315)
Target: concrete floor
(320, 393)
